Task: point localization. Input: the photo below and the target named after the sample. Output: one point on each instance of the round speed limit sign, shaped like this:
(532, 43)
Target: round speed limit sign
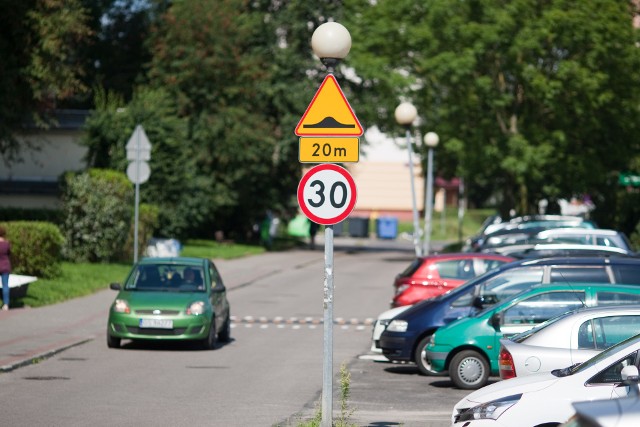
(327, 194)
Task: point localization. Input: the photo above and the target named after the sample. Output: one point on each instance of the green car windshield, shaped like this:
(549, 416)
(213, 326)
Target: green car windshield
(166, 278)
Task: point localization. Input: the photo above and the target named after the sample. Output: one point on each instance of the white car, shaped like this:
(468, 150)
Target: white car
(623, 412)
(567, 339)
(381, 324)
(546, 398)
(583, 236)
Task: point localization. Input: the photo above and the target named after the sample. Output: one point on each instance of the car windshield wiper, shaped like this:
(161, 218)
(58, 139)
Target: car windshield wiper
(564, 372)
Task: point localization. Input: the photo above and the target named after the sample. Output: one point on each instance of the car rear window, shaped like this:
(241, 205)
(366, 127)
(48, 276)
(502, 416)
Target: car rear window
(616, 298)
(629, 274)
(603, 332)
(596, 274)
(412, 268)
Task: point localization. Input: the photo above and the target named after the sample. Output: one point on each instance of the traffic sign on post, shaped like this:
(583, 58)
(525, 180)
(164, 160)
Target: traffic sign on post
(139, 153)
(138, 147)
(327, 194)
(329, 113)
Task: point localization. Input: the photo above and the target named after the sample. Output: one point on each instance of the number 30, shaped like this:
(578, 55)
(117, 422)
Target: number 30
(332, 194)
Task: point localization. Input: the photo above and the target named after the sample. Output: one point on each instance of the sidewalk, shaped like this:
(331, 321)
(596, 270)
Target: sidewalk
(31, 334)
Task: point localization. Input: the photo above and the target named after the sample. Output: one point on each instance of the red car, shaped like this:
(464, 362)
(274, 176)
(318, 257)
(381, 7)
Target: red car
(430, 276)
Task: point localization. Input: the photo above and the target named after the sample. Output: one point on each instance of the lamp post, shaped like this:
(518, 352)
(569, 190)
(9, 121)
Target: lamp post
(331, 42)
(431, 140)
(405, 114)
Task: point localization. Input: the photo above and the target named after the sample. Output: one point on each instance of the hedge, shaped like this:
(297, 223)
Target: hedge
(36, 248)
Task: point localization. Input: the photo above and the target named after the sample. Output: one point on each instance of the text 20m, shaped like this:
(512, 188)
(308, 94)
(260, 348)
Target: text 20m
(329, 149)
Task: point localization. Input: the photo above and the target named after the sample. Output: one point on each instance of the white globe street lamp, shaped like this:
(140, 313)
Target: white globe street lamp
(431, 140)
(405, 115)
(331, 42)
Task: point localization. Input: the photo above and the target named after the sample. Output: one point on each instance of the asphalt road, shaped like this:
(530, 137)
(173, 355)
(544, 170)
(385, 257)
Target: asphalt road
(269, 375)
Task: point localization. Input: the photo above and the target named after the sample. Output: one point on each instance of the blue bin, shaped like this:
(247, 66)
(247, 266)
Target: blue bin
(387, 227)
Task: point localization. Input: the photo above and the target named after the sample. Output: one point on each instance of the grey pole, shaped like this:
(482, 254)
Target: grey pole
(429, 204)
(416, 223)
(137, 202)
(327, 365)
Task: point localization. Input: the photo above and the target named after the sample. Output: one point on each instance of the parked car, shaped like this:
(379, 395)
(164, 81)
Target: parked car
(598, 236)
(546, 399)
(407, 335)
(170, 299)
(381, 323)
(622, 412)
(520, 228)
(570, 338)
(430, 276)
(539, 250)
(468, 348)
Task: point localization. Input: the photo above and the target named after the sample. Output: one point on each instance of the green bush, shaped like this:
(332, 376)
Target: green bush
(98, 206)
(147, 223)
(36, 248)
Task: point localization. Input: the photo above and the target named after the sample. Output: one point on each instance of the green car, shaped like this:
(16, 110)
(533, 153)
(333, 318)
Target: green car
(170, 299)
(469, 347)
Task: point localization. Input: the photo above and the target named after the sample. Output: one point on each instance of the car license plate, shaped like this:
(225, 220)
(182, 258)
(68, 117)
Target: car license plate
(156, 323)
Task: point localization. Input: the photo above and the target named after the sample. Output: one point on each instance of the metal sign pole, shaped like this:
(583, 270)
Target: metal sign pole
(327, 365)
(137, 201)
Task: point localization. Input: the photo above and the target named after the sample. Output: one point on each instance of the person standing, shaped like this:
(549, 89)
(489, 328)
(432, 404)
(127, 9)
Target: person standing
(5, 266)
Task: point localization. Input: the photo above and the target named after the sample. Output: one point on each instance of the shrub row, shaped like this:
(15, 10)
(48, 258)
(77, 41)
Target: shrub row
(97, 226)
(36, 248)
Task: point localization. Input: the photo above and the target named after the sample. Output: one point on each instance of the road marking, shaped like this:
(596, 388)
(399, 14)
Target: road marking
(369, 321)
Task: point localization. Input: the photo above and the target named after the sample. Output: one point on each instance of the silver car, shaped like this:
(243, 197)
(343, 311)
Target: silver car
(567, 339)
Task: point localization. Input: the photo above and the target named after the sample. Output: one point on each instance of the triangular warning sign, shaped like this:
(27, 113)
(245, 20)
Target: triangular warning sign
(329, 113)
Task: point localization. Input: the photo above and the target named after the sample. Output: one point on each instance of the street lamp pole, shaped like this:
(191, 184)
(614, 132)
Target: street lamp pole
(431, 139)
(405, 114)
(331, 42)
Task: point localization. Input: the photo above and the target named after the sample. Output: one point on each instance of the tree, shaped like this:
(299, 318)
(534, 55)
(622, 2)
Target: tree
(530, 98)
(172, 185)
(39, 68)
(237, 70)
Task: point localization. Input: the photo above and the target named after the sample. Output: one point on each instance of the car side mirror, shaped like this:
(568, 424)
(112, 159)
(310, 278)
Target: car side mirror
(478, 302)
(218, 288)
(631, 378)
(115, 286)
(494, 321)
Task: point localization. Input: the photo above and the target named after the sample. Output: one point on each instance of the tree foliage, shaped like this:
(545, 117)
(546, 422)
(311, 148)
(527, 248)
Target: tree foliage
(233, 67)
(531, 98)
(39, 40)
(172, 180)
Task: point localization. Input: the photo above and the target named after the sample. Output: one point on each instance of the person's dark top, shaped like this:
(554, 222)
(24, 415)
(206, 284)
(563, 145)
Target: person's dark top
(5, 251)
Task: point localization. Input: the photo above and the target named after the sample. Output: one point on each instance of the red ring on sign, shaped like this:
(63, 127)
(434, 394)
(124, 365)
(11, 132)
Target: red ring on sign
(352, 187)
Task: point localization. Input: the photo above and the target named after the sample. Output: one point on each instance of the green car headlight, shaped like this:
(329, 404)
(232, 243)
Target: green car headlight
(196, 308)
(121, 306)
(490, 410)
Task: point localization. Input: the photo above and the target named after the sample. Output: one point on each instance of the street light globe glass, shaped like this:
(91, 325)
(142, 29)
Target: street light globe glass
(406, 113)
(431, 139)
(331, 40)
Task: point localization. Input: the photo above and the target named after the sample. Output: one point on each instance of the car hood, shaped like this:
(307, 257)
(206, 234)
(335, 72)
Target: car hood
(390, 314)
(527, 384)
(151, 300)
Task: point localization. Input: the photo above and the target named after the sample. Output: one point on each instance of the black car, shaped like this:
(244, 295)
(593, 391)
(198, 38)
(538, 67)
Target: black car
(408, 333)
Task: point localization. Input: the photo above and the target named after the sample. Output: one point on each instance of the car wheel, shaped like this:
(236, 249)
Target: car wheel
(113, 342)
(225, 333)
(469, 370)
(209, 343)
(419, 357)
